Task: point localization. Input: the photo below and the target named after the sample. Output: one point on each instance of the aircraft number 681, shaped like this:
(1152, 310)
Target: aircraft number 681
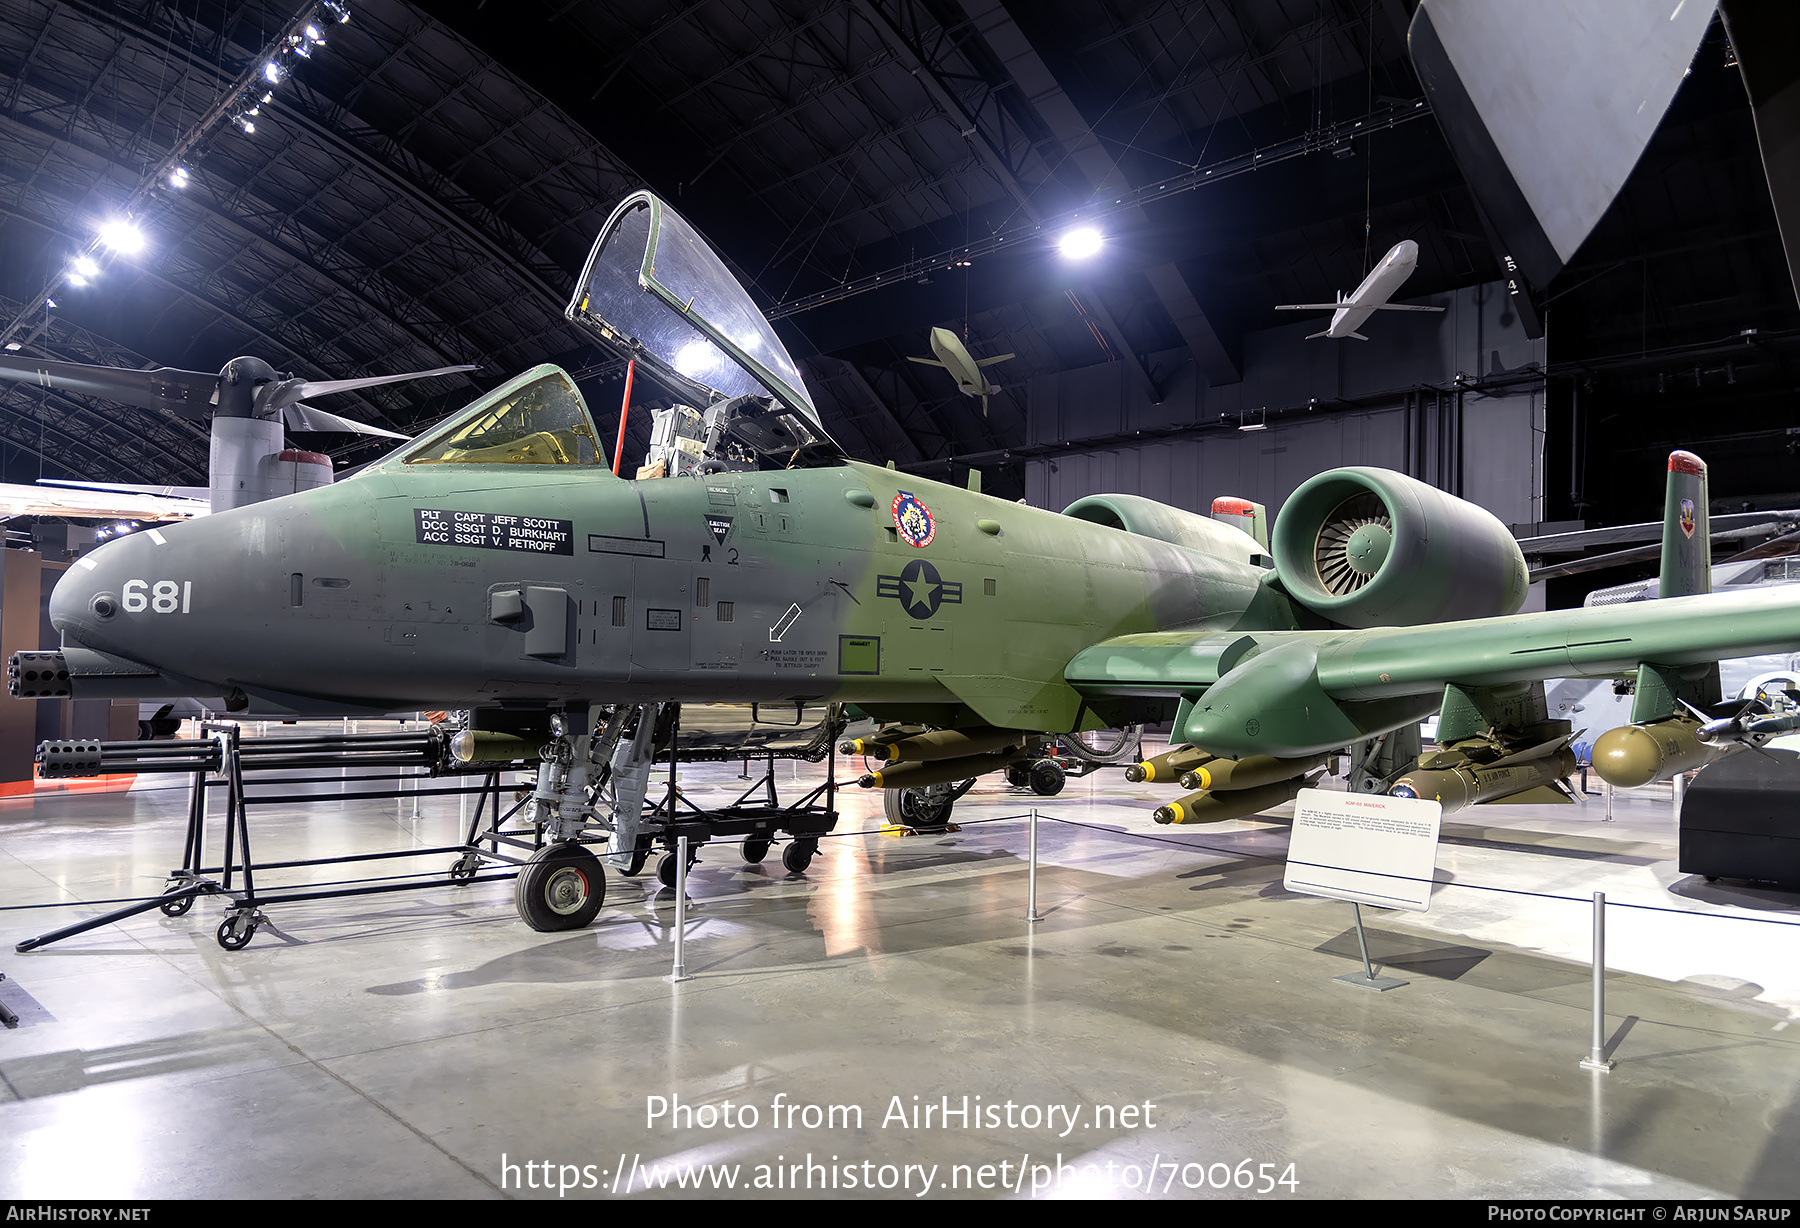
(162, 597)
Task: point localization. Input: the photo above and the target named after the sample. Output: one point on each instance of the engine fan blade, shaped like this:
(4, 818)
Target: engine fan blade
(306, 418)
(187, 393)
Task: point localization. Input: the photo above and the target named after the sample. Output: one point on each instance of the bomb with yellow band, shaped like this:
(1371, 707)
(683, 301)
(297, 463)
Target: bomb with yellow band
(1167, 766)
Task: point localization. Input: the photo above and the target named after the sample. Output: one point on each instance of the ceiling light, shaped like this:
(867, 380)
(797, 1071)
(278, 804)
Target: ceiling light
(76, 279)
(122, 235)
(696, 358)
(272, 72)
(178, 178)
(1080, 243)
(313, 35)
(86, 267)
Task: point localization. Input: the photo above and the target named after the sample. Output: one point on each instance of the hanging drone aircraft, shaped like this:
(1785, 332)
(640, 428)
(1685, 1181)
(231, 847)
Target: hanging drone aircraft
(495, 564)
(954, 357)
(1349, 313)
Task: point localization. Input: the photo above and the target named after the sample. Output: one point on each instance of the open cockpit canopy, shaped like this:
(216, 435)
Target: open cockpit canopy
(654, 290)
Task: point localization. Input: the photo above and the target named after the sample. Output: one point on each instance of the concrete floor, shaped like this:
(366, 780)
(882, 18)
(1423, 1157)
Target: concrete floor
(428, 1044)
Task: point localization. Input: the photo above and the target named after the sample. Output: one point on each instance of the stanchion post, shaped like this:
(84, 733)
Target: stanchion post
(1596, 1058)
(1031, 908)
(679, 973)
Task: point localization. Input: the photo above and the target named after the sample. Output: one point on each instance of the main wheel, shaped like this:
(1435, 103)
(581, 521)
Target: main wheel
(1047, 777)
(560, 888)
(799, 854)
(754, 849)
(926, 808)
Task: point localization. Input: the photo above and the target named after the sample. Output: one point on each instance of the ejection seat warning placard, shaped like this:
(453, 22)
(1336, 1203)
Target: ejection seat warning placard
(1369, 849)
(492, 531)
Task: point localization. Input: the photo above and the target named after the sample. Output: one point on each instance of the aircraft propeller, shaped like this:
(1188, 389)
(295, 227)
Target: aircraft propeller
(245, 387)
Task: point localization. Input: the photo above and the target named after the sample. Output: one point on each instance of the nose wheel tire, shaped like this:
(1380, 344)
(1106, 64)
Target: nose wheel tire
(560, 888)
(799, 854)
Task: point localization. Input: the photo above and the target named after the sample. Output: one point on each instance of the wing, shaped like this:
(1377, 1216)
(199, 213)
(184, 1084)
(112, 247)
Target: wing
(1306, 692)
(96, 504)
(1310, 306)
(925, 362)
(1397, 307)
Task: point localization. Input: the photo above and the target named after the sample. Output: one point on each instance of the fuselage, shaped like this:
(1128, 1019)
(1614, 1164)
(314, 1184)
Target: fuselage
(470, 585)
(1383, 281)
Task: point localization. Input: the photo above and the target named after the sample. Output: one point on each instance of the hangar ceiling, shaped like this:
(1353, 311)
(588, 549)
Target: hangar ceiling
(422, 190)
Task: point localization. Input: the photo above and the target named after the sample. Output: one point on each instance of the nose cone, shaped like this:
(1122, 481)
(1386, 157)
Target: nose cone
(1406, 252)
(87, 605)
(177, 598)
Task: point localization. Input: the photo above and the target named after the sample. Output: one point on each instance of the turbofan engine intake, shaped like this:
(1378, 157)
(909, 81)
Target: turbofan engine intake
(1371, 548)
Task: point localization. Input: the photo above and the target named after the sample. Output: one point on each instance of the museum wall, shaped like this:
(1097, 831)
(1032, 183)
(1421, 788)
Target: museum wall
(1393, 401)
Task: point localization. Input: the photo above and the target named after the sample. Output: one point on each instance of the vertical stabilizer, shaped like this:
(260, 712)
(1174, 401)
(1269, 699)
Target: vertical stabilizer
(1687, 536)
(1243, 514)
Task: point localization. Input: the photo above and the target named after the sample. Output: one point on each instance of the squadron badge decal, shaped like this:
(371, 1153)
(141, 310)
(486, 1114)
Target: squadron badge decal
(1687, 517)
(913, 520)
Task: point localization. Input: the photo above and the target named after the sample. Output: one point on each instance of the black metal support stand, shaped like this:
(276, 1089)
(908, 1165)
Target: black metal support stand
(221, 754)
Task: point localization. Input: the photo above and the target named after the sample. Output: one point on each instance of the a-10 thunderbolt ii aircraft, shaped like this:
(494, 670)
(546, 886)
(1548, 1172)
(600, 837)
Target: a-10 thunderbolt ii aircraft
(496, 564)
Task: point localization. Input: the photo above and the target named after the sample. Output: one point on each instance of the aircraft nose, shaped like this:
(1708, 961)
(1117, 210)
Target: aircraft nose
(91, 601)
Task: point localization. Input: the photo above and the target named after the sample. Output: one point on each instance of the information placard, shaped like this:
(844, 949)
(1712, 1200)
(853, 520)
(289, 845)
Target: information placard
(1369, 849)
(493, 531)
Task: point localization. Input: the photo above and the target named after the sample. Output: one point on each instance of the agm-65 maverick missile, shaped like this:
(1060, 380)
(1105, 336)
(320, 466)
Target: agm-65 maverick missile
(1453, 780)
(1634, 755)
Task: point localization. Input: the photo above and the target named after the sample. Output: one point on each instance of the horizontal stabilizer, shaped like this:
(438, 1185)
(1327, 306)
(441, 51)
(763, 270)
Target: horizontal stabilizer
(924, 362)
(1358, 336)
(988, 362)
(1316, 336)
(1403, 307)
(1308, 306)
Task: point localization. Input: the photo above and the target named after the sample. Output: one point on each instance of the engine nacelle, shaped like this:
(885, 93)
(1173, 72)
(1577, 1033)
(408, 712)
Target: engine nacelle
(1374, 548)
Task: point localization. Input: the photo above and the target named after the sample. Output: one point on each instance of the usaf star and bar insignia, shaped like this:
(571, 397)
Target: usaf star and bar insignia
(920, 589)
